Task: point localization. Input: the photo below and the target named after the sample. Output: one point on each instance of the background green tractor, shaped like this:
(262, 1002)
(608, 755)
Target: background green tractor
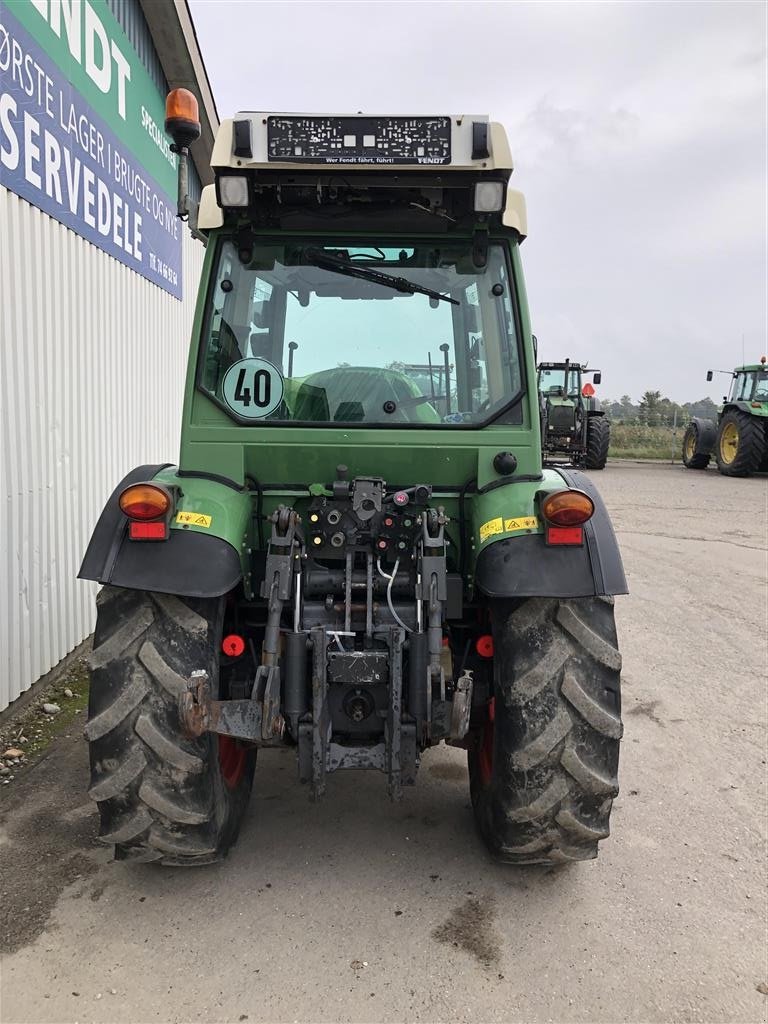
(739, 438)
(572, 421)
(359, 555)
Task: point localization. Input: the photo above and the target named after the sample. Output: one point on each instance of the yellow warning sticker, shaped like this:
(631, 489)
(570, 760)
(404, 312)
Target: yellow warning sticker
(194, 519)
(523, 523)
(492, 526)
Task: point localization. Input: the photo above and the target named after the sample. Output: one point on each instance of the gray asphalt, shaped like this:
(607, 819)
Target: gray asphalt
(359, 910)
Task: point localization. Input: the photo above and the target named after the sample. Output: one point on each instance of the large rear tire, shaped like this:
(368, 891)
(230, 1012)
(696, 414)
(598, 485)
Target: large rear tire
(544, 770)
(740, 446)
(598, 442)
(161, 796)
(693, 458)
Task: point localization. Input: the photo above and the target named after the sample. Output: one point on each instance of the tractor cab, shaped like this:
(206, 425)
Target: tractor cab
(750, 384)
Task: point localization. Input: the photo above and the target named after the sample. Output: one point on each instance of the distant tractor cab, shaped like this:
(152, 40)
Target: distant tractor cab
(572, 422)
(739, 438)
(358, 555)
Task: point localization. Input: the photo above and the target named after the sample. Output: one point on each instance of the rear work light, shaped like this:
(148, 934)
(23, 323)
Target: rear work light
(233, 190)
(565, 513)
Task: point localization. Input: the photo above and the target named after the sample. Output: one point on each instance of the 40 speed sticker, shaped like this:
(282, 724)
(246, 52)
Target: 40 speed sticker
(252, 388)
(494, 526)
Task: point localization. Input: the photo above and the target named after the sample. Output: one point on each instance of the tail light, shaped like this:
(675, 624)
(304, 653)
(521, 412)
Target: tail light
(148, 508)
(565, 513)
(145, 501)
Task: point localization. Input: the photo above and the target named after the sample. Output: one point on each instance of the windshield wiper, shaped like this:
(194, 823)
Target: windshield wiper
(318, 258)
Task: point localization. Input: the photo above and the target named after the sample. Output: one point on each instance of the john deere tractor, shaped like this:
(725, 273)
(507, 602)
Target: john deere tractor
(572, 421)
(739, 438)
(355, 557)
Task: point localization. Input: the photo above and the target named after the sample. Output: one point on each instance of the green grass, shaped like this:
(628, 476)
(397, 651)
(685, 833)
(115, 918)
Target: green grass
(40, 729)
(636, 441)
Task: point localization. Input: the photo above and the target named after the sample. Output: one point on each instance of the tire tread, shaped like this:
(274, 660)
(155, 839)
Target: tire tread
(161, 796)
(555, 760)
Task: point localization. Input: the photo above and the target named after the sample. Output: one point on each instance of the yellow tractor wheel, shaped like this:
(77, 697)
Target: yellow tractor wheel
(740, 446)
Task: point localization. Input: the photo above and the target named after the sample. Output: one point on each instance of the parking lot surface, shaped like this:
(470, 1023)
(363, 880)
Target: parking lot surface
(356, 909)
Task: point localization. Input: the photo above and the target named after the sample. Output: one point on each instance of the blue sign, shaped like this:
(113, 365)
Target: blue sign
(60, 155)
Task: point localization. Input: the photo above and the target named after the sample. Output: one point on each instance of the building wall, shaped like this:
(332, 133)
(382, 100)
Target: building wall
(92, 366)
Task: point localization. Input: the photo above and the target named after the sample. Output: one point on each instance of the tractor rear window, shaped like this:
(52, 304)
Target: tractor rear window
(361, 334)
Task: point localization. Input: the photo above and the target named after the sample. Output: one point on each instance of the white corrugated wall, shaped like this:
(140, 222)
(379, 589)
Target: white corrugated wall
(92, 365)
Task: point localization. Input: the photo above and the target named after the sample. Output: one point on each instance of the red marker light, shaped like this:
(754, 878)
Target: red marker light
(565, 535)
(389, 521)
(148, 531)
(233, 645)
(484, 645)
(401, 498)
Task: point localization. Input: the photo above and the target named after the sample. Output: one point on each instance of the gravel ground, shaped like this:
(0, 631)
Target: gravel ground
(359, 910)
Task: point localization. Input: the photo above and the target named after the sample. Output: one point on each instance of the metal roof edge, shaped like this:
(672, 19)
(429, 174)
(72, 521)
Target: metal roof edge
(175, 41)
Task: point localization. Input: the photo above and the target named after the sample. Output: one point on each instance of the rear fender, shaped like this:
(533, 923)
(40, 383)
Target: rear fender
(206, 554)
(516, 562)
(706, 435)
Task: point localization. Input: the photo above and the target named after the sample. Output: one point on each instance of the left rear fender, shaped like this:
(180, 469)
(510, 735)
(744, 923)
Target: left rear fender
(205, 555)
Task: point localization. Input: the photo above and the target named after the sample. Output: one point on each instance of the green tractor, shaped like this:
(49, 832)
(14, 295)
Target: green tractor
(572, 421)
(739, 438)
(354, 560)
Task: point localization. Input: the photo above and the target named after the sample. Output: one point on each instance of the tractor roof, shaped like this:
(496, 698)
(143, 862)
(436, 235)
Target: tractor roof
(295, 157)
(464, 142)
(571, 366)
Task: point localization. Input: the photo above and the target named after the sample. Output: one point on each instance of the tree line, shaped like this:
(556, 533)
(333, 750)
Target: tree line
(655, 411)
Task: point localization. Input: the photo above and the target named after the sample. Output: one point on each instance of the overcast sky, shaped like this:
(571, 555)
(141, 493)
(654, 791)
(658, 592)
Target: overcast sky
(639, 138)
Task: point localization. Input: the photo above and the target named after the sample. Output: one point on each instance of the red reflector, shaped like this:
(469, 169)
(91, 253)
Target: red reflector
(565, 535)
(233, 645)
(148, 531)
(484, 645)
(587, 390)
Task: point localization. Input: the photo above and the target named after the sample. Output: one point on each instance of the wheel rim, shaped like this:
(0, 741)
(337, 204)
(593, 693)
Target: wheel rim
(233, 757)
(729, 443)
(485, 753)
(690, 445)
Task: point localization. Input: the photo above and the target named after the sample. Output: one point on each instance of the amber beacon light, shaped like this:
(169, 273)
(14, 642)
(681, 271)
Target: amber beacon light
(182, 118)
